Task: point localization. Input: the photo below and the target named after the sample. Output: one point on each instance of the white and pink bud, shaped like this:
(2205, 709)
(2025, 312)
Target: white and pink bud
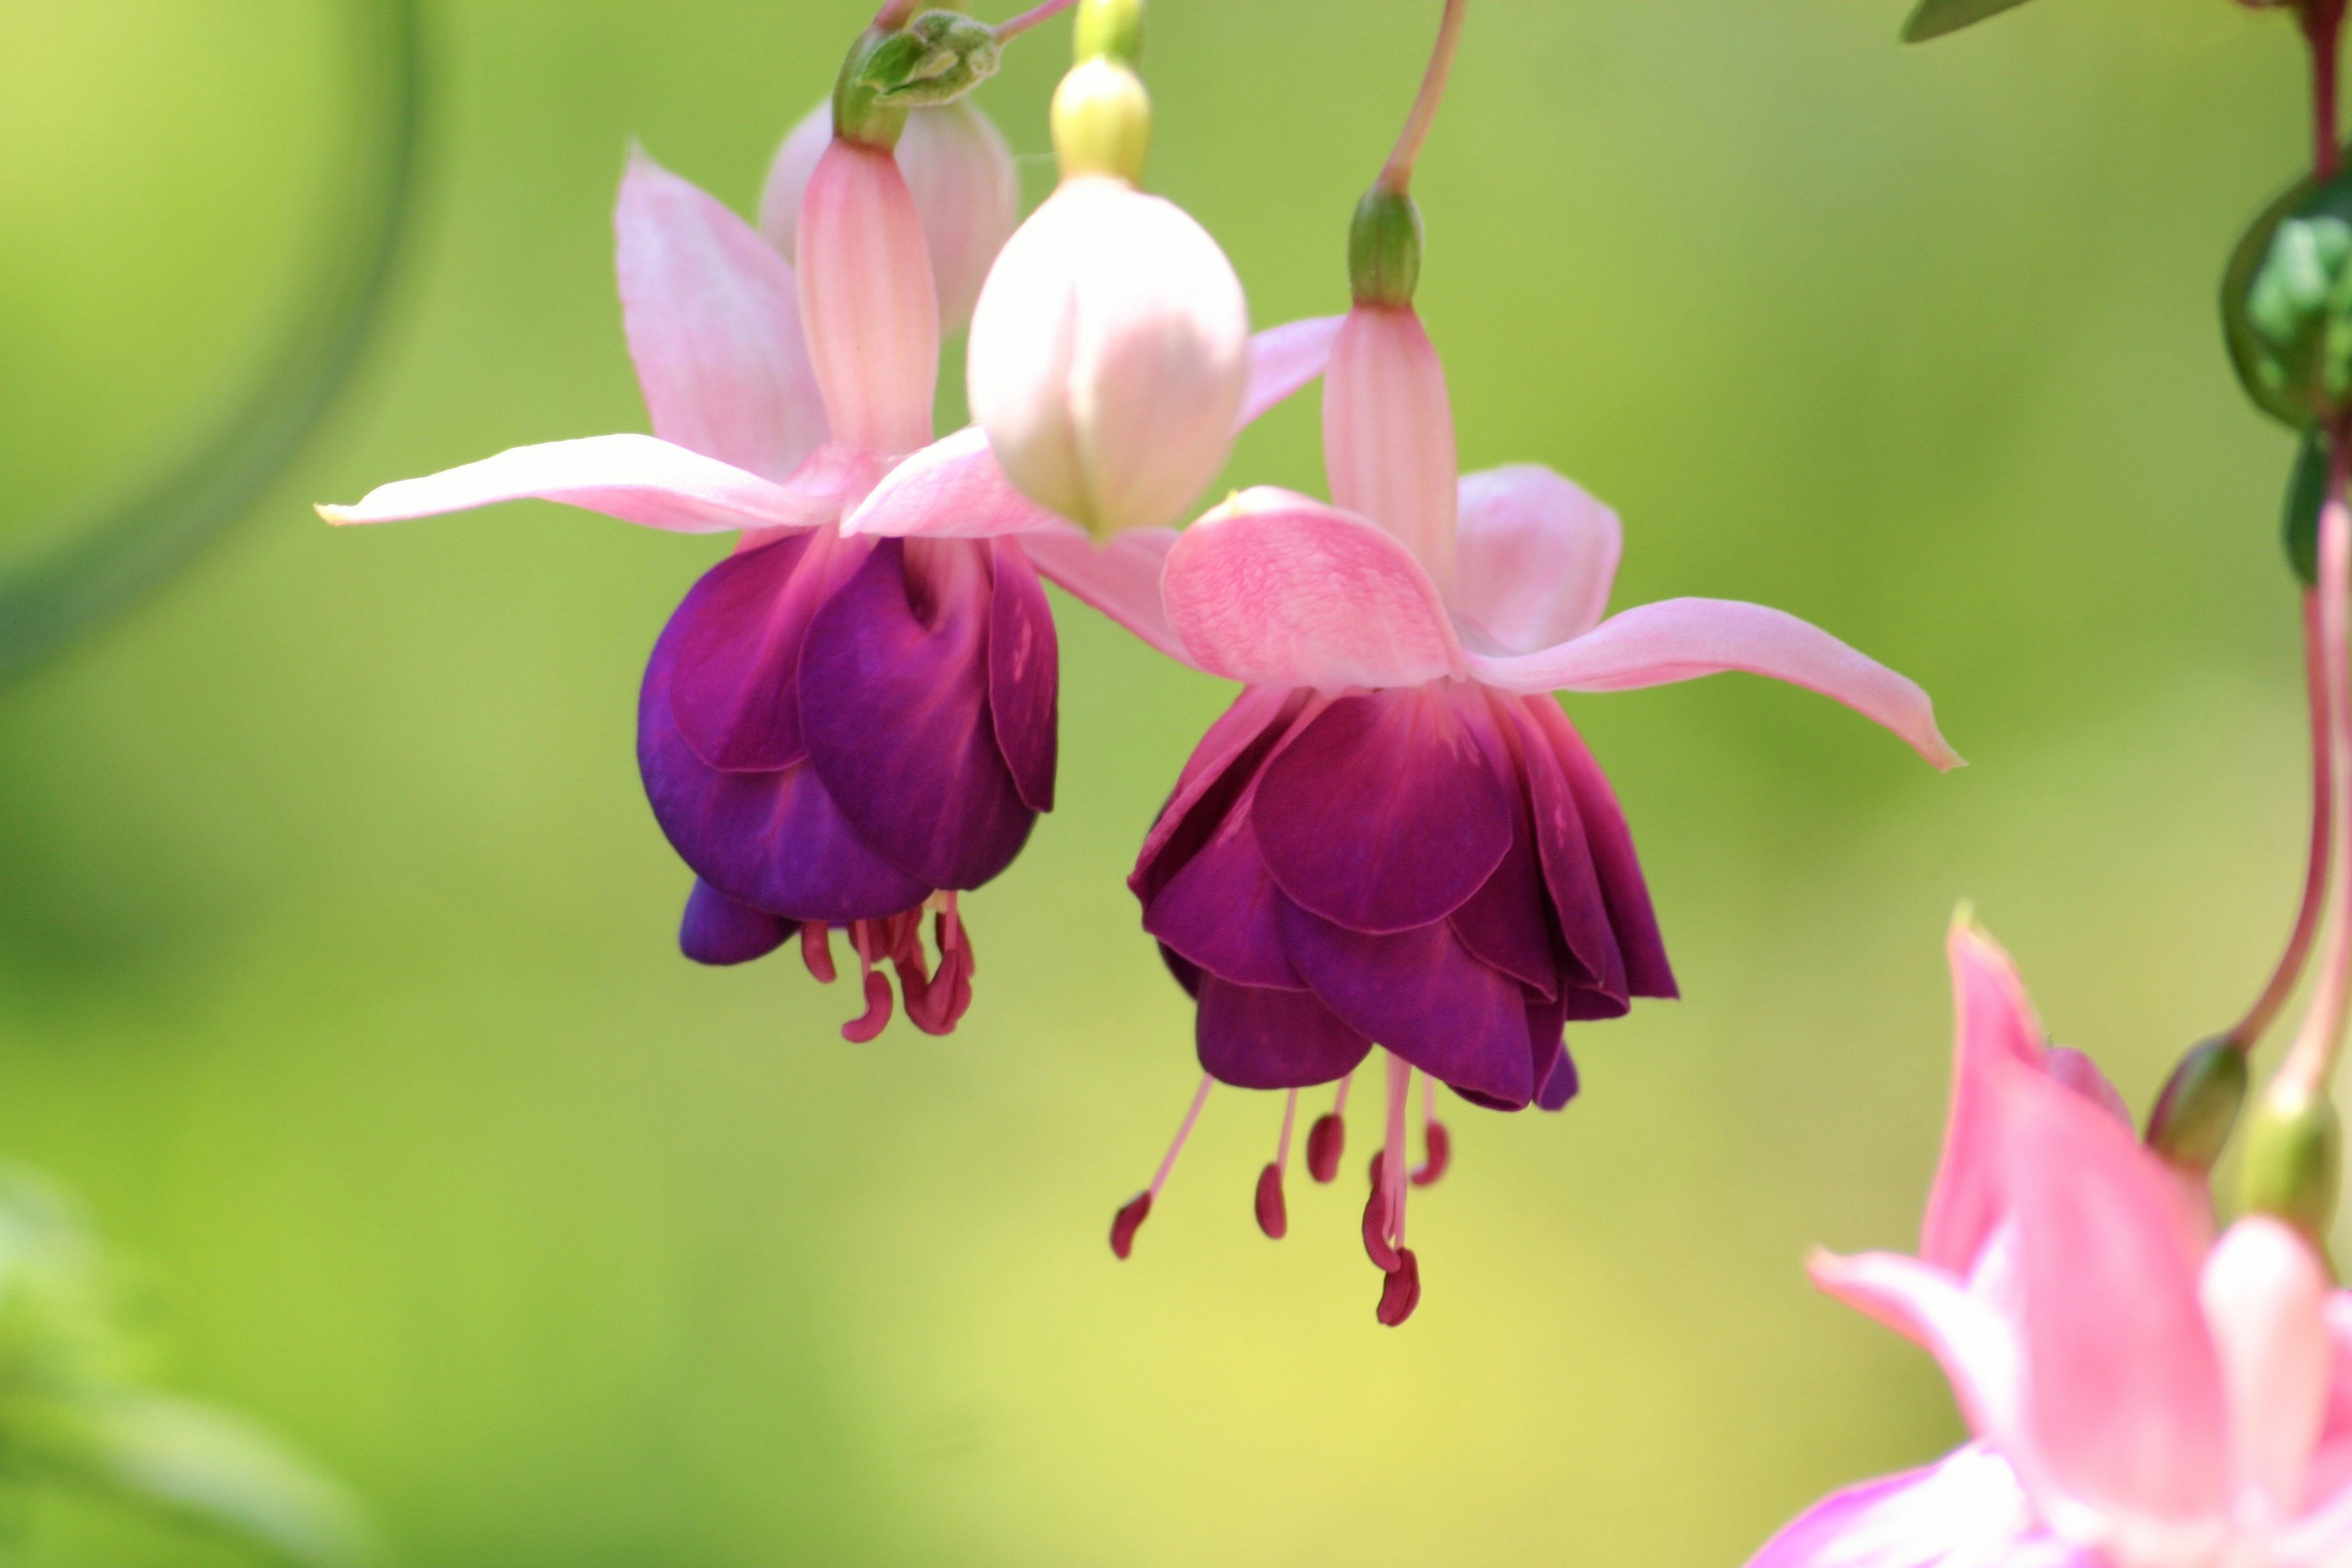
(868, 304)
(961, 176)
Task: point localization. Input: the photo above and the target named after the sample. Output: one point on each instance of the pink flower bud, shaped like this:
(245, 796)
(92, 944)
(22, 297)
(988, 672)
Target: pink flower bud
(965, 188)
(867, 304)
(1109, 354)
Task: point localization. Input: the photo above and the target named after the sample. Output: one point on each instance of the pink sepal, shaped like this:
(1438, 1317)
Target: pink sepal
(1275, 589)
(636, 478)
(1120, 577)
(953, 488)
(1283, 360)
(1683, 640)
(1534, 558)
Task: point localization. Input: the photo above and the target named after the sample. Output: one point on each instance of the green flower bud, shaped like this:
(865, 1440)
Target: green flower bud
(859, 113)
(936, 59)
(1109, 29)
(2199, 1105)
(1102, 122)
(1384, 248)
(2287, 304)
(2306, 494)
(2294, 1153)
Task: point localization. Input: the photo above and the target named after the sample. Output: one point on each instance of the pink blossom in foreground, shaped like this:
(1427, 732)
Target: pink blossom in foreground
(839, 729)
(2140, 1396)
(1395, 837)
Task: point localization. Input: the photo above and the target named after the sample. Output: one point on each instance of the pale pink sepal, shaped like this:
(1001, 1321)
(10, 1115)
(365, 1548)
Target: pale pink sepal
(1120, 577)
(637, 478)
(1683, 640)
(1534, 558)
(2124, 1411)
(867, 304)
(1994, 1029)
(953, 488)
(1275, 589)
(1966, 1335)
(713, 320)
(1283, 360)
(1966, 1511)
(1388, 433)
(2264, 1294)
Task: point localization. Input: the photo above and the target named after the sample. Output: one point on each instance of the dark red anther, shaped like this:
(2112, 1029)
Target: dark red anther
(877, 1016)
(816, 950)
(1326, 1141)
(1376, 1224)
(1273, 1215)
(1400, 1292)
(1439, 1145)
(1124, 1225)
(936, 1002)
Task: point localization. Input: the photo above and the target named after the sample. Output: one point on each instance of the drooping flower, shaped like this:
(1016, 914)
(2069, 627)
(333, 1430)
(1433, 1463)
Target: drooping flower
(1395, 837)
(2140, 1395)
(839, 729)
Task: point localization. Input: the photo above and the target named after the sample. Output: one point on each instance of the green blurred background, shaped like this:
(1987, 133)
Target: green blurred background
(336, 942)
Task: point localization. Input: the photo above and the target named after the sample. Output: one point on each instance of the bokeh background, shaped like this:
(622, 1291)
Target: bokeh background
(336, 942)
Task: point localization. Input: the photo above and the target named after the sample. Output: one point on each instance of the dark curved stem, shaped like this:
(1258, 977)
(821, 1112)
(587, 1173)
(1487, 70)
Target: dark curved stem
(137, 541)
(2265, 1010)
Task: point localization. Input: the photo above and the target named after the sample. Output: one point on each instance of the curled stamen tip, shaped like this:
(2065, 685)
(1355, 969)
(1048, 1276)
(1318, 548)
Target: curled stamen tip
(1376, 1229)
(1326, 1141)
(877, 1016)
(1273, 1215)
(1400, 1292)
(1124, 1224)
(816, 950)
(1440, 1155)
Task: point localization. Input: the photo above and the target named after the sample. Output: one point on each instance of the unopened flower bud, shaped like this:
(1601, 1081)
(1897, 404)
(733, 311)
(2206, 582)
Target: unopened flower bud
(1102, 122)
(1109, 354)
(2295, 1159)
(959, 172)
(1384, 248)
(2286, 305)
(2199, 1105)
(936, 59)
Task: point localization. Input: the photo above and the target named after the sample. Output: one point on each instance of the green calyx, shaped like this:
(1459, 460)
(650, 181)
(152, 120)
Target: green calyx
(933, 60)
(1109, 30)
(1102, 122)
(2199, 1107)
(2306, 494)
(1384, 248)
(2295, 1155)
(2286, 305)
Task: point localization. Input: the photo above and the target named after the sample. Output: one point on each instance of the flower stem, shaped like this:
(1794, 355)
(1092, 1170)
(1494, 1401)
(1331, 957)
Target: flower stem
(2312, 1055)
(895, 14)
(1396, 176)
(2251, 1028)
(2323, 28)
(1031, 17)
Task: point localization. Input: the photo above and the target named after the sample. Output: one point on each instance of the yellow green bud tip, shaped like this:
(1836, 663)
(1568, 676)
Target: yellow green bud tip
(1109, 29)
(2295, 1159)
(1102, 122)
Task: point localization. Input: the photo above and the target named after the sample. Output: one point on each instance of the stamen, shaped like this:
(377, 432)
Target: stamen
(1273, 1214)
(1137, 1209)
(877, 1016)
(816, 950)
(1327, 1139)
(1376, 1223)
(1437, 1146)
(937, 1002)
(1393, 1161)
(1401, 1291)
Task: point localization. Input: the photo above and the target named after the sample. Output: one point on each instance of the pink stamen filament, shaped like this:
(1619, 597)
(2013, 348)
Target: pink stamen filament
(1289, 1119)
(1031, 17)
(1200, 1099)
(1392, 1165)
(1397, 175)
(1137, 1209)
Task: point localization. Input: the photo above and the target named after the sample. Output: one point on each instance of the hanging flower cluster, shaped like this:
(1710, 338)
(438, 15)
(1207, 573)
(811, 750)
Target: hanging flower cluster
(1395, 839)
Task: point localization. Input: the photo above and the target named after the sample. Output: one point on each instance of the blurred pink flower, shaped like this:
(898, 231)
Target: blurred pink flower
(2141, 1396)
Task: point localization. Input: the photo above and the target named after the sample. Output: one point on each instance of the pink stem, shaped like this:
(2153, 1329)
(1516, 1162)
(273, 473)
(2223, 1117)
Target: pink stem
(1031, 17)
(894, 14)
(2314, 1053)
(2322, 28)
(2265, 1010)
(1397, 176)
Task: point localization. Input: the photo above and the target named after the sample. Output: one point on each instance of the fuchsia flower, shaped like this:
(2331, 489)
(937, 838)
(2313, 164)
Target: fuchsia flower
(840, 727)
(2141, 1396)
(1395, 837)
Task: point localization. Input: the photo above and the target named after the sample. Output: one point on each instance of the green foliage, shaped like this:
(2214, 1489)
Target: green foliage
(1933, 18)
(73, 1413)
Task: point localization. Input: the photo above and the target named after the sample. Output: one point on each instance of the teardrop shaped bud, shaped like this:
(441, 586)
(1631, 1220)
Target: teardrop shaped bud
(2199, 1105)
(1109, 354)
(2287, 304)
(2295, 1159)
(1273, 1214)
(967, 192)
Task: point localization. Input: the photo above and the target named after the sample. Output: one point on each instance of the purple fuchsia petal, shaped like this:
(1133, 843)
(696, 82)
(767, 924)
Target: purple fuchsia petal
(1258, 1037)
(1218, 909)
(1647, 972)
(718, 931)
(1220, 768)
(1507, 921)
(739, 630)
(1188, 974)
(1557, 1081)
(774, 840)
(893, 704)
(1593, 967)
(1023, 674)
(1383, 812)
(1424, 995)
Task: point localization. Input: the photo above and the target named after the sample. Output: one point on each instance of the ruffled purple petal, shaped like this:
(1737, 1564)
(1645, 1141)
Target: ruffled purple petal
(1507, 921)
(1596, 967)
(1253, 1037)
(739, 643)
(1024, 673)
(773, 840)
(718, 931)
(1647, 972)
(1221, 767)
(1219, 910)
(1559, 1082)
(1187, 972)
(1424, 995)
(1383, 813)
(894, 707)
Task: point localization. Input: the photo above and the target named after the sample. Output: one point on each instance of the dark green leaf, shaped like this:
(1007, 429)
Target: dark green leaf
(1933, 18)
